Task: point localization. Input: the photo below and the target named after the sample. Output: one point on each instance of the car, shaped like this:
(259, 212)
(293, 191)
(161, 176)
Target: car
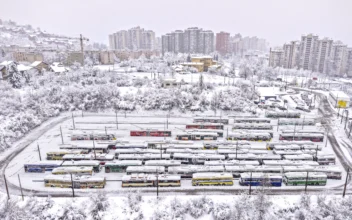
(290, 91)
(282, 108)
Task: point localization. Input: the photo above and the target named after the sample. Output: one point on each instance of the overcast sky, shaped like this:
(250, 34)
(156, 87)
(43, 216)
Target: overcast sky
(278, 21)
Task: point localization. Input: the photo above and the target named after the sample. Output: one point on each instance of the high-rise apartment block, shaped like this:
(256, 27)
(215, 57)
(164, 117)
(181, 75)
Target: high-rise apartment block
(192, 40)
(318, 55)
(133, 39)
(223, 42)
(276, 57)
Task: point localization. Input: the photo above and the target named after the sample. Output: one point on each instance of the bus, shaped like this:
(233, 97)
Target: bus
(96, 147)
(83, 135)
(302, 144)
(158, 144)
(131, 145)
(300, 178)
(290, 163)
(77, 157)
(250, 126)
(216, 126)
(120, 166)
(218, 131)
(73, 170)
(298, 157)
(231, 162)
(142, 180)
(78, 182)
(41, 166)
(151, 133)
(57, 155)
(214, 145)
(91, 163)
(145, 169)
(187, 158)
(187, 171)
(251, 120)
(301, 136)
(212, 179)
(325, 159)
(211, 120)
(197, 136)
(164, 163)
(260, 179)
(144, 157)
(79, 135)
(264, 136)
(137, 151)
(300, 121)
(238, 169)
(272, 114)
(332, 172)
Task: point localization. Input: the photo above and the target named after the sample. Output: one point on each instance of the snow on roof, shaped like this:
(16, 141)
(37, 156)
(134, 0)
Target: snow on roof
(150, 169)
(81, 163)
(202, 57)
(124, 163)
(67, 178)
(36, 63)
(195, 168)
(151, 177)
(268, 91)
(45, 162)
(260, 175)
(192, 63)
(162, 163)
(59, 68)
(21, 67)
(200, 156)
(6, 63)
(304, 174)
(212, 175)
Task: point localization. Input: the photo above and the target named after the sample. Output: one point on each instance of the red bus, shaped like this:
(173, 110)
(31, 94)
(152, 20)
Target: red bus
(151, 133)
(205, 126)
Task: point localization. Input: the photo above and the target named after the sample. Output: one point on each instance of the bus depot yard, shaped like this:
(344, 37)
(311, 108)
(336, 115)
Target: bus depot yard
(274, 148)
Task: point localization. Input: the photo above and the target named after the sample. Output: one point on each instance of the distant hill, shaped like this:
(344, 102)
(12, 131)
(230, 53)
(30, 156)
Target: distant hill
(13, 34)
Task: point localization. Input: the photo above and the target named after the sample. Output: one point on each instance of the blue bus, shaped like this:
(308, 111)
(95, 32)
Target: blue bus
(260, 179)
(41, 166)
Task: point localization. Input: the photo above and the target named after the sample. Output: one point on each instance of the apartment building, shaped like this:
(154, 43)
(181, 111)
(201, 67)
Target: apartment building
(291, 55)
(133, 39)
(307, 51)
(223, 42)
(322, 55)
(276, 57)
(27, 56)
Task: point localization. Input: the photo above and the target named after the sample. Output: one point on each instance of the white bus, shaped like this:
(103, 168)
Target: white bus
(212, 179)
(142, 180)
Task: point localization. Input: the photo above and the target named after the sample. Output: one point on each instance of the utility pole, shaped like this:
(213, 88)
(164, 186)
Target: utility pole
(95, 155)
(306, 185)
(81, 39)
(326, 142)
(344, 188)
(82, 113)
(294, 131)
(19, 181)
(161, 151)
(117, 123)
(62, 138)
(236, 148)
(7, 188)
(278, 122)
(304, 117)
(73, 122)
(157, 183)
(72, 185)
(250, 184)
(106, 132)
(40, 157)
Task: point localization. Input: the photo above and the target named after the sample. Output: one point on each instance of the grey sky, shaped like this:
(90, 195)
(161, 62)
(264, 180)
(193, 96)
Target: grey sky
(277, 21)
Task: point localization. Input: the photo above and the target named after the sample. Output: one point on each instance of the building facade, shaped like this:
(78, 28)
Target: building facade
(276, 57)
(223, 42)
(308, 51)
(133, 39)
(27, 56)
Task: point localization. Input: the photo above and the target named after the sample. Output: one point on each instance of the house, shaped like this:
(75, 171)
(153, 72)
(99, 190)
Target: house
(57, 67)
(196, 65)
(4, 68)
(23, 68)
(40, 65)
(207, 61)
(169, 83)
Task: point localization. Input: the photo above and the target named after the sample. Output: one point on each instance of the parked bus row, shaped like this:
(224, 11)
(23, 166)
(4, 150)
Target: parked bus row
(314, 137)
(252, 126)
(300, 121)
(151, 133)
(205, 126)
(78, 135)
(272, 114)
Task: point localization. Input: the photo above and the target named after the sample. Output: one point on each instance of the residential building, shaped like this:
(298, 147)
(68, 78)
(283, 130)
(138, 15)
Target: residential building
(74, 57)
(133, 39)
(276, 57)
(322, 55)
(349, 62)
(106, 57)
(291, 55)
(223, 42)
(205, 42)
(27, 56)
(177, 45)
(198, 66)
(207, 61)
(190, 40)
(307, 51)
(338, 59)
(166, 43)
(40, 66)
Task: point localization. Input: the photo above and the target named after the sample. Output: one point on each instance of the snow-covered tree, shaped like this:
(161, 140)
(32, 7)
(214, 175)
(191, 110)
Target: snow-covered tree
(99, 205)
(16, 78)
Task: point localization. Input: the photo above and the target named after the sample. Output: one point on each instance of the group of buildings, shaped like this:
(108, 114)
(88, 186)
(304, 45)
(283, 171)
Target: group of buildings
(133, 39)
(196, 40)
(312, 53)
(192, 40)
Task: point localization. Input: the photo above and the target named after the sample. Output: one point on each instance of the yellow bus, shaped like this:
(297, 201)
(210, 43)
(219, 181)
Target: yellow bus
(151, 180)
(79, 182)
(58, 155)
(212, 179)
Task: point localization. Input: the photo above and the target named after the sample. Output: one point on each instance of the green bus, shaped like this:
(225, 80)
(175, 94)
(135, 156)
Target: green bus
(120, 166)
(300, 178)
